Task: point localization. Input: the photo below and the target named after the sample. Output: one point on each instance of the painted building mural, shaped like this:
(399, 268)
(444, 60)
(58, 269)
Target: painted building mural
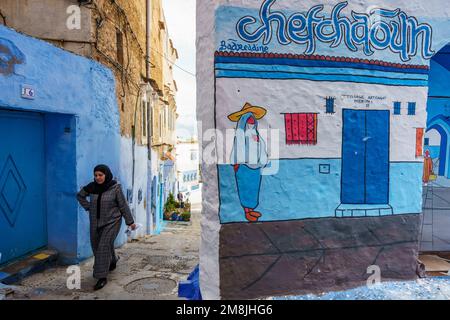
(322, 111)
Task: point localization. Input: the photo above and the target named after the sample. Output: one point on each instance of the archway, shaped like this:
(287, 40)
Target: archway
(438, 108)
(435, 232)
(440, 151)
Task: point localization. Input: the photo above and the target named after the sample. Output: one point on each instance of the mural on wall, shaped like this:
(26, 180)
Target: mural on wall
(436, 175)
(249, 157)
(365, 167)
(345, 88)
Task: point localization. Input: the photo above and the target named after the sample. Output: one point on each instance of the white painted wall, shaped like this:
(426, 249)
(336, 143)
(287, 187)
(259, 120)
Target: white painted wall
(186, 164)
(292, 100)
(434, 136)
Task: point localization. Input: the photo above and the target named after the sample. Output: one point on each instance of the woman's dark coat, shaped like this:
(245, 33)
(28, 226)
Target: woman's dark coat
(104, 230)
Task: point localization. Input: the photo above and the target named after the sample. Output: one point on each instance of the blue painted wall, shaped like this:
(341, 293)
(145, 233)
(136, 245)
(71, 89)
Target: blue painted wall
(77, 96)
(439, 89)
(434, 151)
(438, 106)
(314, 195)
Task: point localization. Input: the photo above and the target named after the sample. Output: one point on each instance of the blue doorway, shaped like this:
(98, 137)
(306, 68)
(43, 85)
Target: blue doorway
(365, 157)
(23, 225)
(438, 109)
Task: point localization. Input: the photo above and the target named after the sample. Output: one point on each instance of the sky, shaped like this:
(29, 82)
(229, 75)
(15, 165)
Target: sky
(180, 17)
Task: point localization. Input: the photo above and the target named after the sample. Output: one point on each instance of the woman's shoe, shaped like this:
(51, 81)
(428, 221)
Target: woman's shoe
(113, 265)
(100, 284)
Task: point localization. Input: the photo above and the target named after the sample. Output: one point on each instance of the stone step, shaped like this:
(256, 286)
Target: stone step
(18, 270)
(344, 211)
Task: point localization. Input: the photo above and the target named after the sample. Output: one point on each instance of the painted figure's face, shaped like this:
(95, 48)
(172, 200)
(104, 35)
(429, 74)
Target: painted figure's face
(251, 123)
(251, 128)
(99, 177)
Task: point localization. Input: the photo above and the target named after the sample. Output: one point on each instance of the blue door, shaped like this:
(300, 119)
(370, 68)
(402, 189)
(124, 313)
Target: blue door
(160, 210)
(154, 205)
(22, 185)
(365, 157)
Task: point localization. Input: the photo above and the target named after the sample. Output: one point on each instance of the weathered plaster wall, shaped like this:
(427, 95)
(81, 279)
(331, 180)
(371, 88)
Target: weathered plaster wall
(314, 231)
(157, 44)
(129, 73)
(82, 123)
(47, 19)
(97, 38)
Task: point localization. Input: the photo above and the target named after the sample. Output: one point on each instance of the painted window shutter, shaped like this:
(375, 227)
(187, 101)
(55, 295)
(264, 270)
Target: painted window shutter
(397, 108)
(330, 105)
(301, 128)
(419, 140)
(411, 108)
(288, 120)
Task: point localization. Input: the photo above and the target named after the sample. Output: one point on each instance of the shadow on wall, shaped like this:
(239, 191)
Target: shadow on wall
(10, 56)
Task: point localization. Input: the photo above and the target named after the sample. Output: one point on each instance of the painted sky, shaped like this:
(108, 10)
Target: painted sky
(180, 16)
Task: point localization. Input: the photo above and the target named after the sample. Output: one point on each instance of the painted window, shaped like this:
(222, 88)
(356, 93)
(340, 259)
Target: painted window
(397, 108)
(330, 105)
(301, 128)
(411, 108)
(419, 142)
(189, 176)
(427, 141)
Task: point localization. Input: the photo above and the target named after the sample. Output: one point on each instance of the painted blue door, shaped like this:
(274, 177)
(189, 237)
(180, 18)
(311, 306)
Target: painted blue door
(22, 184)
(365, 157)
(155, 199)
(160, 219)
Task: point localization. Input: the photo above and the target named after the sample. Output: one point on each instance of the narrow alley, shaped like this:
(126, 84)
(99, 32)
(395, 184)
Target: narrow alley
(148, 269)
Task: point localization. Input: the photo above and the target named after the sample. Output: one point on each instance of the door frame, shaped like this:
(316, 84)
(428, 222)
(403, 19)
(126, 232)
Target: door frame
(32, 115)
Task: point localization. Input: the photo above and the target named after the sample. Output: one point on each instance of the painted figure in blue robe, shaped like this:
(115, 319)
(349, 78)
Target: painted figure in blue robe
(249, 158)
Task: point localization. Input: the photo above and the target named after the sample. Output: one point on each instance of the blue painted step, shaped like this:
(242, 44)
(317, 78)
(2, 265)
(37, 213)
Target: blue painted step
(190, 289)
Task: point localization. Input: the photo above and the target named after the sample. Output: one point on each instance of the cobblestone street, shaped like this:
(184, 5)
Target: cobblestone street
(436, 220)
(148, 269)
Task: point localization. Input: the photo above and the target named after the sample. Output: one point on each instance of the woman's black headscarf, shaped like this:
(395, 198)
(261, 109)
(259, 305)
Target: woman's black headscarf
(94, 187)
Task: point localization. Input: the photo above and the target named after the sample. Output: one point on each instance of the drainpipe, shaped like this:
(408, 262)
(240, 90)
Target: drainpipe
(149, 106)
(147, 74)
(148, 37)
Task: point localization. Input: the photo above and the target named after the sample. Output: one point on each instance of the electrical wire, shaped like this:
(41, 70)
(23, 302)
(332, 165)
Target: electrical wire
(120, 9)
(173, 63)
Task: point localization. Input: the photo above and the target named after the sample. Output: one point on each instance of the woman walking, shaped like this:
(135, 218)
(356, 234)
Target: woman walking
(107, 205)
